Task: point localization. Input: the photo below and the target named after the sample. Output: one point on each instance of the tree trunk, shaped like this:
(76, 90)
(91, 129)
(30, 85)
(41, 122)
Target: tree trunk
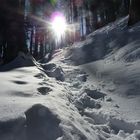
(134, 12)
(31, 40)
(36, 43)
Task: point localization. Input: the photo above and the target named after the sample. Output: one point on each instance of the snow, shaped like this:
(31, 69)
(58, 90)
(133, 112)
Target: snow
(89, 91)
(21, 60)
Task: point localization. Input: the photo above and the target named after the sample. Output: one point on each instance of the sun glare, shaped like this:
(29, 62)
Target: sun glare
(58, 24)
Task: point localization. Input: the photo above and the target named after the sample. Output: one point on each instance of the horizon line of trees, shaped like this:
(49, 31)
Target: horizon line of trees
(22, 26)
(93, 14)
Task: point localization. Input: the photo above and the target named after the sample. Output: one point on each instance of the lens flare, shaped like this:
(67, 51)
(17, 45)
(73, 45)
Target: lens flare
(58, 24)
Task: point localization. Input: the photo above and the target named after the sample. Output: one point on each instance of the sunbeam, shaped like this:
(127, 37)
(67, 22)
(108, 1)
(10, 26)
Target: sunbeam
(58, 25)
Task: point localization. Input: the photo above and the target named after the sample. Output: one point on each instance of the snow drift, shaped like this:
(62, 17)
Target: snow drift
(21, 60)
(116, 38)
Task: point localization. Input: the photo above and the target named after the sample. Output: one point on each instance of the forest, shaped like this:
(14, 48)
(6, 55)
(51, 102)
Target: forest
(70, 70)
(25, 24)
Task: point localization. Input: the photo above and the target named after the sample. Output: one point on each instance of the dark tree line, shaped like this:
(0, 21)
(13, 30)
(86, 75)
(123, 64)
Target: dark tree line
(12, 34)
(134, 14)
(30, 32)
(39, 35)
(93, 14)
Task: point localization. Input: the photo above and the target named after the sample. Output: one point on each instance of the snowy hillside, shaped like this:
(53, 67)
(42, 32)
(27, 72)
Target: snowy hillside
(98, 100)
(116, 39)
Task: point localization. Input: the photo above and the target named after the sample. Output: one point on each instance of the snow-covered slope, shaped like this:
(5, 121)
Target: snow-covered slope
(59, 101)
(36, 107)
(116, 39)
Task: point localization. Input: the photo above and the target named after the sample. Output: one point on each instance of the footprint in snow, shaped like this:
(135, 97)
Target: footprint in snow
(44, 90)
(20, 82)
(94, 94)
(39, 75)
(22, 94)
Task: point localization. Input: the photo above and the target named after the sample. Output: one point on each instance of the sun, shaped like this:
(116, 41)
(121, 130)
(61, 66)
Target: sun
(58, 24)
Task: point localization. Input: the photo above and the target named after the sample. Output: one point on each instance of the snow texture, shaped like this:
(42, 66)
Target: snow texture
(86, 101)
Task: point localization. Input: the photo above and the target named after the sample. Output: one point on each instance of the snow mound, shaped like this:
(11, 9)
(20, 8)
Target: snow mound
(13, 128)
(129, 53)
(21, 60)
(52, 70)
(38, 123)
(106, 41)
(42, 124)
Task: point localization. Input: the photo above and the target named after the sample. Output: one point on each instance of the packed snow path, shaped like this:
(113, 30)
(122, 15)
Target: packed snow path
(35, 106)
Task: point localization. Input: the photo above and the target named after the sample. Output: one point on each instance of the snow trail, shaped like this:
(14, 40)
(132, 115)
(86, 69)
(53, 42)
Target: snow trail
(59, 101)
